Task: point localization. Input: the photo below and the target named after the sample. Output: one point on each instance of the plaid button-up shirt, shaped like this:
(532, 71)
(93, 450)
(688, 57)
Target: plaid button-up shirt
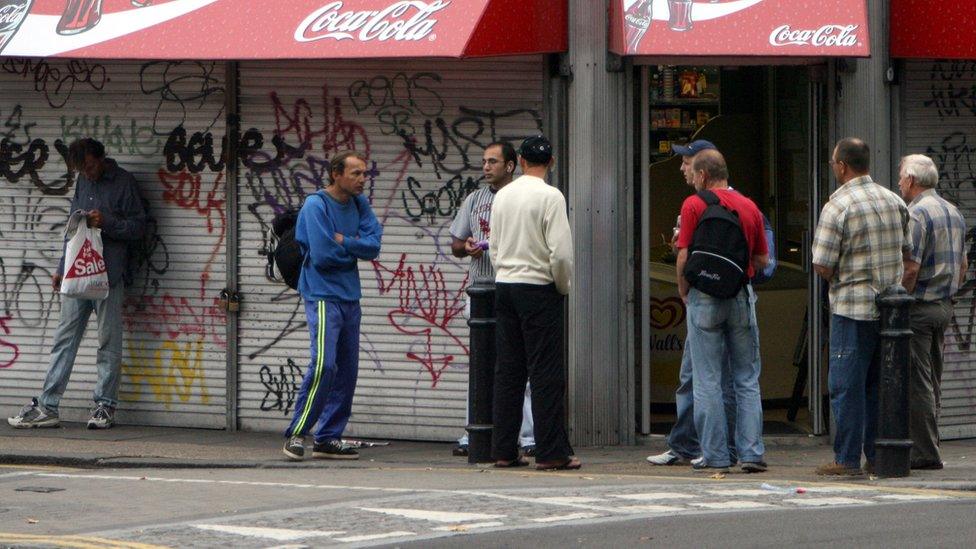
(862, 233)
(938, 236)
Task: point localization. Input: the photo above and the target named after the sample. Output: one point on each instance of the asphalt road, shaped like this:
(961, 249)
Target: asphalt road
(420, 507)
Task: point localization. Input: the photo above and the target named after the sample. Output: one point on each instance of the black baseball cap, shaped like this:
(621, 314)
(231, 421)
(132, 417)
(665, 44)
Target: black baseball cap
(693, 148)
(536, 149)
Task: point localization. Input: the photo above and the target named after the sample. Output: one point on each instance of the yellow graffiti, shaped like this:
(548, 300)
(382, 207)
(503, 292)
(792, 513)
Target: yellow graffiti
(171, 371)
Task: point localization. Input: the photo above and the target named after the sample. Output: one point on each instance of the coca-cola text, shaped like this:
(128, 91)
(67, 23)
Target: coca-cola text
(844, 36)
(401, 21)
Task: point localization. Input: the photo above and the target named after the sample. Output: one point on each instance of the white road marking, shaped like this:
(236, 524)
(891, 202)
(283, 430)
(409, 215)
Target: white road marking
(249, 483)
(909, 497)
(436, 516)
(17, 474)
(654, 496)
(824, 502)
(277, 534)
(833, 489)
(744, 492)
(653, 508)
(561, 518)
(569, 499)
(468, 526)
(738, 504)
(371, 537)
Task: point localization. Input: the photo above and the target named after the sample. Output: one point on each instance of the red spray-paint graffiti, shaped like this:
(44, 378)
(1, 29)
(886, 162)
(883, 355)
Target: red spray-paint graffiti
(185, 190)
(9, 347)
(426, 309)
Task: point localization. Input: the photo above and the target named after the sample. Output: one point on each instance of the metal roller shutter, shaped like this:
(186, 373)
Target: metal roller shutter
(940, 121)
(174, 359)
(423, 125)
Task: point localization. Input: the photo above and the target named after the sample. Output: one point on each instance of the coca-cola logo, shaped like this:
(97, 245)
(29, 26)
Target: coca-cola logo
(843, 36)
(401, 21)
(12, 13)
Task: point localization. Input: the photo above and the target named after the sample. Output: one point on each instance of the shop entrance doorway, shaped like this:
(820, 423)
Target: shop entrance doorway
(767, 123)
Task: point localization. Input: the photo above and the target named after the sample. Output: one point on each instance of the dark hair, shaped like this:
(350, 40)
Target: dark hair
(855, 153)
(338, 162)
(713, 163)
(79, 148)
(508, 152)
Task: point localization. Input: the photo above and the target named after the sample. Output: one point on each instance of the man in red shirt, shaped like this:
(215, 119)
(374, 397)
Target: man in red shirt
(718, 328)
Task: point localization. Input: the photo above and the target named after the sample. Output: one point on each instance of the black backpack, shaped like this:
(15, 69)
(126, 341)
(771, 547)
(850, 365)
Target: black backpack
(285, 257)
(718, 262)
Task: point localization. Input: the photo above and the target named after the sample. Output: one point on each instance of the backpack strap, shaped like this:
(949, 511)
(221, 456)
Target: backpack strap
(708, 197)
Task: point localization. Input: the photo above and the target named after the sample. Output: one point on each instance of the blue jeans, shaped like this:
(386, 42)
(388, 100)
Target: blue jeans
(853, 382)
(725, 331)
(683, 439)
(71, 328)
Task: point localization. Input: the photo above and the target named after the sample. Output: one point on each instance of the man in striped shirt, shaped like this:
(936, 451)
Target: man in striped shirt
(934, 271)
(858, 248)
(470, 227)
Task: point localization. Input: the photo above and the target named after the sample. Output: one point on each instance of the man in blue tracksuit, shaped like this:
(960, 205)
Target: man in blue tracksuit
(336, 227)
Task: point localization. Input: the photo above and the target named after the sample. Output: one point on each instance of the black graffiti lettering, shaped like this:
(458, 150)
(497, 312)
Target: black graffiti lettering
(57, 82)
(955, 159)
(281, 387)
(181, 154)
(951, 91)
(14, 124)
(252, 154)
(456, 147)
(184, 84)
(443, 201)
(394, 101)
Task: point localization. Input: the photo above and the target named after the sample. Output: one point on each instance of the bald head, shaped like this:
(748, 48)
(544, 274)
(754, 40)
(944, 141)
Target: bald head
(712, 163)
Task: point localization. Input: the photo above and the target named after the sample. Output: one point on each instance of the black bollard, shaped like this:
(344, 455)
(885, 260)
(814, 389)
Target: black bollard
(481, 371)
(894, 444)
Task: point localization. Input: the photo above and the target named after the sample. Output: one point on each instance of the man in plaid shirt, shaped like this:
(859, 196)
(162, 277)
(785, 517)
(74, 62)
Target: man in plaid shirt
(858, 248)
(934, 271)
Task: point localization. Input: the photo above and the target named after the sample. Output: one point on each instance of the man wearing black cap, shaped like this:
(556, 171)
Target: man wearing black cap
(531, 248)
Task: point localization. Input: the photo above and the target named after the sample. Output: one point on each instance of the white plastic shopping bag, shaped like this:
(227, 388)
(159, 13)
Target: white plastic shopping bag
(85, 275)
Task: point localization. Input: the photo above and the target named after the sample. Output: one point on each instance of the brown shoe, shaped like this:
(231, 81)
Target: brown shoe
(836, 469)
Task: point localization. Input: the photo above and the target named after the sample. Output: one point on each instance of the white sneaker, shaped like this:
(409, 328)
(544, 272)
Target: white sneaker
(698, 461)
(102, 417)
(667, 458)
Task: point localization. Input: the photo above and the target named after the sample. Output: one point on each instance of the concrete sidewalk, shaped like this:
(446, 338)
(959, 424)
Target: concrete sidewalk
(791, 458)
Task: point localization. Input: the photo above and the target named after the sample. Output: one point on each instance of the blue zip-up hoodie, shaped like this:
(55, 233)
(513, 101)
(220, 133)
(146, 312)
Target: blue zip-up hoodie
(330, 270)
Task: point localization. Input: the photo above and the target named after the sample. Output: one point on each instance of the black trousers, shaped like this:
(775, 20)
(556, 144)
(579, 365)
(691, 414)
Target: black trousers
(529, 337)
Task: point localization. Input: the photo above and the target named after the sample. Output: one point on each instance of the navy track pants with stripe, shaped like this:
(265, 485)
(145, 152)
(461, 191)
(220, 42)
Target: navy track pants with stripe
(330, 382)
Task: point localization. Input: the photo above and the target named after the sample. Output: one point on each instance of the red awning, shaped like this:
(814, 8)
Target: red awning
(291, 29)
(929, 30)
(718, 28)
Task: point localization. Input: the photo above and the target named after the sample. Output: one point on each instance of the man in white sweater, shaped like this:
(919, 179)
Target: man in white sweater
(532, 250)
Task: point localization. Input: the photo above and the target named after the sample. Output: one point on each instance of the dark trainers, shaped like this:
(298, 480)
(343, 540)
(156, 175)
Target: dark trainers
(461, 450)
(333, 449)
(702, 467)
(34, 415)
(102, 417)
(529, 451)
(294, 448)
(754, 467)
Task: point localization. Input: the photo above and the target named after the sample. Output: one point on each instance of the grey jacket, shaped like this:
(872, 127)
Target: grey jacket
(116, 196)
